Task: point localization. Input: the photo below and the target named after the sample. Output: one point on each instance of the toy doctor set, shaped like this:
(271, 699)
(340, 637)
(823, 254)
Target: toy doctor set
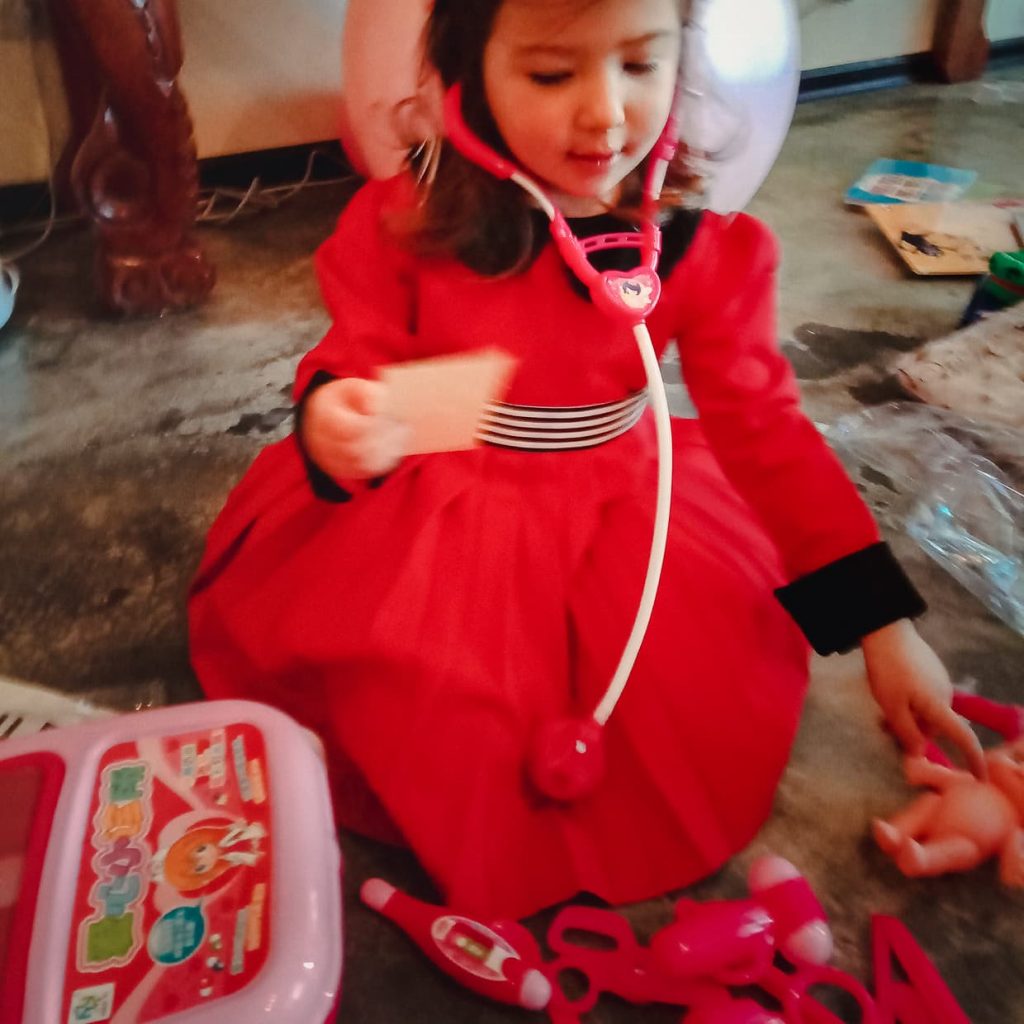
(178, 865)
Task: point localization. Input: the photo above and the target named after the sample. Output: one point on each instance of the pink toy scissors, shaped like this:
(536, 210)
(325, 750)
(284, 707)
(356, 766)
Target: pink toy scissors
(624, 968)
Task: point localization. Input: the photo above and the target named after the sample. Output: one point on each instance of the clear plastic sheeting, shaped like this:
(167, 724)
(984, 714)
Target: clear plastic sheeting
(954, 484)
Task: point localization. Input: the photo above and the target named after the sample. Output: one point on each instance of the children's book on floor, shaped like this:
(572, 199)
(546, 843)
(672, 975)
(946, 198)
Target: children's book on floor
(889, 181)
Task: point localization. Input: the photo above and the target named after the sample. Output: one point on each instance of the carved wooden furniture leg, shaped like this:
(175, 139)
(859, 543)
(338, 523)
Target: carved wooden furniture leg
(960, 47)
(135, 171)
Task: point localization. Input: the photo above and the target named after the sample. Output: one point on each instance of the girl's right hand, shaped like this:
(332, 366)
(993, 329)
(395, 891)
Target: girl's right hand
(345, 434)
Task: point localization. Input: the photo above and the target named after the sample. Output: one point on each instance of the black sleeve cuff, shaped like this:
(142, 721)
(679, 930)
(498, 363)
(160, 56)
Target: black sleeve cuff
(323, 485)
(843, 601)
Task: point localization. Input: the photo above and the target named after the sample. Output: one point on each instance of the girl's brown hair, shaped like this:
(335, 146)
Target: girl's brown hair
(465, 212)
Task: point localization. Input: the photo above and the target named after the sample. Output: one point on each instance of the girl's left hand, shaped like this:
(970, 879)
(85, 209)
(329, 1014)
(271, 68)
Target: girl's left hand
(914, 691)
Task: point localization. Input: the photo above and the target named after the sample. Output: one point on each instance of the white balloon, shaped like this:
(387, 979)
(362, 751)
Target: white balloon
(380, 70)
(751, 75)
(742, 71)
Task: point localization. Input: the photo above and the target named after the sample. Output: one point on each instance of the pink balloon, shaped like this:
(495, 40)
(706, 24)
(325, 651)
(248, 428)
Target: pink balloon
(380, 71)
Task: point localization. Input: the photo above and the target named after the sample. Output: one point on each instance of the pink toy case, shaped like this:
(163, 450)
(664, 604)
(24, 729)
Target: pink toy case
(178, 866)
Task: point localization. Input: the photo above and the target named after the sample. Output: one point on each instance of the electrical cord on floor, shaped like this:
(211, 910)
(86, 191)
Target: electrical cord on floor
(254, 199)
(258, 197)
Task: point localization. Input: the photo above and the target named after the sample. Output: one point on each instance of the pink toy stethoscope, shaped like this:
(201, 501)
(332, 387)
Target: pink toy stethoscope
(566, 759)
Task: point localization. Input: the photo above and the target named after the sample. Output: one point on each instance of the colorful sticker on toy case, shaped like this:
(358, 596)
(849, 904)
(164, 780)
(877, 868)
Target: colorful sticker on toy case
(173, 895)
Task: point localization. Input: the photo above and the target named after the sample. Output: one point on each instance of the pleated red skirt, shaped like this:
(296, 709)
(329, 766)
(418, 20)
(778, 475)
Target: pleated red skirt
(427, 626)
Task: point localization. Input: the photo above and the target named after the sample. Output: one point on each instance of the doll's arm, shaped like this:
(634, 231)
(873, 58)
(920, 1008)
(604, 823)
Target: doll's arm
(1011, 860)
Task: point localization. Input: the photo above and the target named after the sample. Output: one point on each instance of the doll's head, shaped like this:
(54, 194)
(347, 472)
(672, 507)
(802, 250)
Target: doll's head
(574, 91)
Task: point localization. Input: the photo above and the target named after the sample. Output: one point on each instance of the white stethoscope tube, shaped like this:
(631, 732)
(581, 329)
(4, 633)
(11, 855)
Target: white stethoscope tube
(663, 498)
(662, 510)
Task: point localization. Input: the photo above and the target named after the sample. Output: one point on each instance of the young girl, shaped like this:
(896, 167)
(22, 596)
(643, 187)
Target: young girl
(425, 614)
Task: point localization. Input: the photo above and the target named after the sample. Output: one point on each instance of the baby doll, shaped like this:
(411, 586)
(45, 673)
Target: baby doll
(964, 822)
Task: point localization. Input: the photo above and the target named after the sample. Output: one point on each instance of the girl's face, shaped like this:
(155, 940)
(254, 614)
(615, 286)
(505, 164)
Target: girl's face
(580, 91)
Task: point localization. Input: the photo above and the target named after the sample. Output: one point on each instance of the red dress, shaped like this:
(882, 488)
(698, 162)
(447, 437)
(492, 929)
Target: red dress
(426, 625)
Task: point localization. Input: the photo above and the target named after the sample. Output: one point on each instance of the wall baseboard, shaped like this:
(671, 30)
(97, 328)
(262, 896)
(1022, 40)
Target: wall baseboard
(275, 166)
(845, 79)
(31, 202)
(1006, 53)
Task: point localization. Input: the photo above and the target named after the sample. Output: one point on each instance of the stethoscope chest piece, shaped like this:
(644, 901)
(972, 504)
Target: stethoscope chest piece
(566, 759)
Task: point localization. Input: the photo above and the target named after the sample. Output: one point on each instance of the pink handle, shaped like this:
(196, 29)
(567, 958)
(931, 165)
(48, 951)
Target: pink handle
(800, 1007)
(627, 970)
(923, 998)
(728, 942)
(621, 240)
(472, 148)
(1005, 719)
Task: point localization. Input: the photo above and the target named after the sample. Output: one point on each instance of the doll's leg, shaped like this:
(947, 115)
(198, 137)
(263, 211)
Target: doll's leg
(920, 771)
(936, 857)
(910, 822)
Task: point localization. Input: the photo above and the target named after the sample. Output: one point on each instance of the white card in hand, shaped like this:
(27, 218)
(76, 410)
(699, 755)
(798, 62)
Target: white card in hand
(442, 399)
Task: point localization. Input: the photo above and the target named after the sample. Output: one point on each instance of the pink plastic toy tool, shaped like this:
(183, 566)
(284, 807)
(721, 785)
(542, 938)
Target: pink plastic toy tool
(620, 966)
(732, 1011)
(724, 945)
(699, 961)
(798, 994)
(924, 997)
(1005, 719)
(729, 942)
(500, 961)
(176, 866)
(710, 948)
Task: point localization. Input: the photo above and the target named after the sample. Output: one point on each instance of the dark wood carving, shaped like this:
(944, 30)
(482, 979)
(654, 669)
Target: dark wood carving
(960, 48)
(131, 160)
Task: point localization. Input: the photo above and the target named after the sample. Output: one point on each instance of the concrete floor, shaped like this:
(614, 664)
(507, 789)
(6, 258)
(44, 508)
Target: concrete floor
(120, 440)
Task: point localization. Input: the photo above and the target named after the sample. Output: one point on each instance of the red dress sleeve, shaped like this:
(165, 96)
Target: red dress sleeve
(367, 283)
(748, 401)
(844, 581)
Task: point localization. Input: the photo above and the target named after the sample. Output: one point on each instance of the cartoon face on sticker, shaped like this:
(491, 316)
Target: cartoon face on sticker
(207, 854)
(635, 294)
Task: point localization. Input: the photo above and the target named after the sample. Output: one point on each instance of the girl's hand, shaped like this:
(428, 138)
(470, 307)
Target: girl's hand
(914, 692)
(345, 434)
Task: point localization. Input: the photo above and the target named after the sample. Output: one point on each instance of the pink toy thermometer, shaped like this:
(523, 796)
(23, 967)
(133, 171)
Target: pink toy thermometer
(500, 961)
